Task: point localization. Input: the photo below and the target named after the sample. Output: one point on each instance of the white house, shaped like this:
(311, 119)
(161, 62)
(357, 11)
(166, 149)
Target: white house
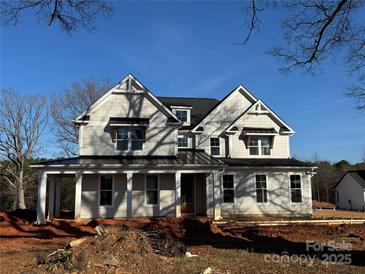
(142, 155)
(350, 191)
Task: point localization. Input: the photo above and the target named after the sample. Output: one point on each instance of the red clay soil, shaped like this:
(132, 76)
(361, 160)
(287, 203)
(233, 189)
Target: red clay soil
(17, 230)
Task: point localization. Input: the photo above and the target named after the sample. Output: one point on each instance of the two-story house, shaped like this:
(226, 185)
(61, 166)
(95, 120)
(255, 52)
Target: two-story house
(142, 155)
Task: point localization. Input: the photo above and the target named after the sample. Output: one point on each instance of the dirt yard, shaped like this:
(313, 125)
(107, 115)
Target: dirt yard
(224, 250)
(338, 214)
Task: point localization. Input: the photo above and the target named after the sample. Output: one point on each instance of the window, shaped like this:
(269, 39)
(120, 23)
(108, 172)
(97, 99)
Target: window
(182, 115)
(214, 146)
(296, 189)
(130, 139)
(106, 190)
(151, 190)
(261, 189)
(259, 146)
(182, 141)
(228, 189)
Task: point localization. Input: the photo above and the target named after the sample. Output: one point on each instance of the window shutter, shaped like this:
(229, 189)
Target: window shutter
(272, 141)
(114, 135)
(247, 140)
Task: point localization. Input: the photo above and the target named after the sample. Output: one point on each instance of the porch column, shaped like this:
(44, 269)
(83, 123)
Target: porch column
(51, 201)
(42, 192)
(129, 194)
(178, 194)
(58, 182)
(78, 187)
(217, 195)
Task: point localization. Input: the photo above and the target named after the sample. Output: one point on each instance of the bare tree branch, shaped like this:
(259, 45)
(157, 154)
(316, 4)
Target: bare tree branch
(69, 105)
(70, 14)
(22, 121)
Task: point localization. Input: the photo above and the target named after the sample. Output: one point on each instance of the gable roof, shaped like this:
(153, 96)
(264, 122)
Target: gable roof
(357, 175)
(240, 87)
(199, 107)
(275, 116)
(128, 80)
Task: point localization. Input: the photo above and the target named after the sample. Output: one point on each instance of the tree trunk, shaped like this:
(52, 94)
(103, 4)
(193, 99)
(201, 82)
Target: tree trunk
(21, 200)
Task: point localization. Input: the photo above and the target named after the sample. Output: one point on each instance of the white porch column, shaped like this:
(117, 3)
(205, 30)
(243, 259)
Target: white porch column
(58, 182)
(78, 187)
(217, 195)
(51, 201)
(42, 192)
(178, 194)
(129, 194)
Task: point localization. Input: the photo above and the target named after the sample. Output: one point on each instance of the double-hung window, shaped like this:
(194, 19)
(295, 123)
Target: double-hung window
(182, 115)
(106, 190)
(259, 146)
(182, 141)
(296, 188)
(261, 189)
(151, 189)
(228, 189)
(215, 146)
(130, 139)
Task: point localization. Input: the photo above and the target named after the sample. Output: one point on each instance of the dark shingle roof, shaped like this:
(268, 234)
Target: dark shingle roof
(184, 157)
(127, 120)
(200, 107)
(360, 173)
(266, 162)
(259, 130)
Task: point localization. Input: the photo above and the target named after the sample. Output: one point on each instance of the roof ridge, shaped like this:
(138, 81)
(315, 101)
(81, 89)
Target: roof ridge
(180, 97)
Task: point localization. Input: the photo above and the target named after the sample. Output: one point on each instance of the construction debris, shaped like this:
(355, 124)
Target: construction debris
(119, 247)
(76, 242)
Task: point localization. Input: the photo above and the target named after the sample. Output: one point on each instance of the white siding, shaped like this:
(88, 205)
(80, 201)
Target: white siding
(96, 139)
(350, 190)
(279, 198)
(90, 198)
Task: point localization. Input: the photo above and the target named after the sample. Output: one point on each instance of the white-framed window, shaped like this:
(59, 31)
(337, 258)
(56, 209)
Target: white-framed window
(129, 139)
(106, 190)
(261, 188)
(228, 188)
(182, 141)
(152, 190)
(215, 149)
(296, 188)
(182, 115)
(259, 145)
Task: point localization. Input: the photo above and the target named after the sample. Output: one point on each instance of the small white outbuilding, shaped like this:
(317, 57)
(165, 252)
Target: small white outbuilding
(350, 191)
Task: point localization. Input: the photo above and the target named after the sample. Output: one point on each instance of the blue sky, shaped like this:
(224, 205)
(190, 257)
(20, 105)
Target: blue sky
(188, 49)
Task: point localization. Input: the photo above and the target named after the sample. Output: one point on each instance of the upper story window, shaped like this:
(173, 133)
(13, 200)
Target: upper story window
(182, 141)
(182, 115)
(215, 146)
(296, 188)
(130, 139)
(259, 145)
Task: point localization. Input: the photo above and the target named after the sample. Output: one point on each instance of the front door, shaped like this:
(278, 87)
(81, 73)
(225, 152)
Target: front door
(187, 193)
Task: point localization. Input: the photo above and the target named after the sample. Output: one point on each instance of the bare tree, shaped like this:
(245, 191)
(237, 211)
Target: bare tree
(69, 14)
(22, 121)
(69, 105)
(314, 30)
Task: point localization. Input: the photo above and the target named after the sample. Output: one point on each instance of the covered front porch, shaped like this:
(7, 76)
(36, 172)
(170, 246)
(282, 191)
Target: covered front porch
(127, 190)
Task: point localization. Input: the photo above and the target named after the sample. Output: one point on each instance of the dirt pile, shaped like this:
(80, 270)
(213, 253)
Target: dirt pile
(18, 216)
(129, 250)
